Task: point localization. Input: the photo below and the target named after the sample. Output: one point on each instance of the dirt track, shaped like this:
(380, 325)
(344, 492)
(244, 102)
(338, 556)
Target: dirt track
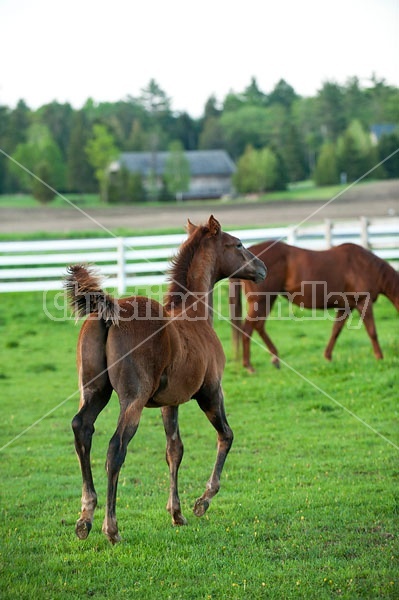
(374, 200)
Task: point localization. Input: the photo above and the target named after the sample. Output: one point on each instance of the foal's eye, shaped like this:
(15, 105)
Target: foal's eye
(239, 245)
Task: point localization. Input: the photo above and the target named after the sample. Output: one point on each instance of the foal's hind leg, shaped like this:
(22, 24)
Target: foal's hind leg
(174, 455)
(94, 396)
(213, 407)
(127, 426)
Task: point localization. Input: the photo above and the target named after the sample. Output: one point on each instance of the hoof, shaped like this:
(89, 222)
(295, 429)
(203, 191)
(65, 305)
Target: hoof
(112, 534)
(328, 357)
(250, 369)
(200, 507)
(82, 529)
(178, 520)
(276, 363)
(114, 538)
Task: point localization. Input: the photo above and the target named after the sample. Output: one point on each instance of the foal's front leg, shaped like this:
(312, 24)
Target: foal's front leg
(174, 455)
(213, 407)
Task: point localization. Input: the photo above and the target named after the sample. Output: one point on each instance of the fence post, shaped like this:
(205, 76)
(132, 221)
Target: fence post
(328, 232)
(121, 263)
(364, 233)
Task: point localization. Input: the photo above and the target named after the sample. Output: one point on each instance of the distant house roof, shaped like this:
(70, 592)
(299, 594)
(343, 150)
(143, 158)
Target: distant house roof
(201, 162)
(380, 129)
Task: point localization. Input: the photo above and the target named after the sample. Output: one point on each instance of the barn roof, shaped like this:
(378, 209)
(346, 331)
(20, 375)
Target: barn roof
(201, 162)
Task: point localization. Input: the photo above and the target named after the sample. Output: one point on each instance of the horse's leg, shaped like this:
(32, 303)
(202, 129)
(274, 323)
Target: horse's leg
(213, 407)
(247, 330)
(366, 313)
(95, 394)
(127, 426)
(260, 327)
(174, 455)
(338, 325)
(258, 322)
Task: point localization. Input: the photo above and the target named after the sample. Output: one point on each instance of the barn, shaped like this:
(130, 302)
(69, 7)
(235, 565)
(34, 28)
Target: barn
(211, 171)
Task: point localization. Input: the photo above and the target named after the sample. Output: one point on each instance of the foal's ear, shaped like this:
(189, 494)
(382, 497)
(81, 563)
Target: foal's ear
(190, 227)
(213, 225)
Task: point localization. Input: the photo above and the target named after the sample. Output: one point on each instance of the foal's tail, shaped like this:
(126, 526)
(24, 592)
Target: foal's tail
(83, 287)
(235, 305)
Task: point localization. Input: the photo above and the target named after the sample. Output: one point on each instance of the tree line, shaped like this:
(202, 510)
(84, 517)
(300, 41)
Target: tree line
(275, 138)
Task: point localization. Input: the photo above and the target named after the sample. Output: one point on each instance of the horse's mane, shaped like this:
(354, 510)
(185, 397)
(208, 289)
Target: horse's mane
(381, 273)
(177, 274)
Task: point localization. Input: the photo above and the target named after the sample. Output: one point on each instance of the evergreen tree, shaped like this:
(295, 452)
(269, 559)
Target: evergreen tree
(253, 95)
(212, 137)
(80, 173)
(281, 172)
(331, 110)
(283, 94)
(388, 145)
(293, 152)
(137, 140)
(355, 102)
(124, 187)
(211, 108)
(4, 117)
(13, 131)
(233, 102)
(154, 99)
(183, 128)
(58, 118)
(18, 126)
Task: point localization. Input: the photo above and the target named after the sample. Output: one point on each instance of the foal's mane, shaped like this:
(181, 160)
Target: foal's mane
(180, 266)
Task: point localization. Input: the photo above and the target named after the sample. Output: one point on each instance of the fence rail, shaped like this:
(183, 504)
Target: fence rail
(138, 261)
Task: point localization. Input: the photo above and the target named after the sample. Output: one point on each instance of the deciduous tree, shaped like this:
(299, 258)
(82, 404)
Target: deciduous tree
(101, 150)
(40, 148)
(326, 171)
(354, 152)
(177, 171)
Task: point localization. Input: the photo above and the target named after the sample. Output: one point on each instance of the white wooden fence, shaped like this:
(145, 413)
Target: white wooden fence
(139, 261)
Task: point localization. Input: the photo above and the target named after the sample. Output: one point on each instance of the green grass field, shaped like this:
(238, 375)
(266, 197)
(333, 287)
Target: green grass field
(309, 502)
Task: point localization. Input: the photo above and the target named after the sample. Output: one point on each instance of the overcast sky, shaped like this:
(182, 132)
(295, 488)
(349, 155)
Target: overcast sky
(70, 51)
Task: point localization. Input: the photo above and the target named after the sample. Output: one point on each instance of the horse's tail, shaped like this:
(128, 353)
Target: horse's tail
(85, 294)
(235, 305)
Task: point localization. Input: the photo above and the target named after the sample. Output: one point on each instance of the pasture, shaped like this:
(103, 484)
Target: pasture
(309, 498)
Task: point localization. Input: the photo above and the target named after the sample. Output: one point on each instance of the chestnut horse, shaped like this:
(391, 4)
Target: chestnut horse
(154, 355)
(345, 277)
